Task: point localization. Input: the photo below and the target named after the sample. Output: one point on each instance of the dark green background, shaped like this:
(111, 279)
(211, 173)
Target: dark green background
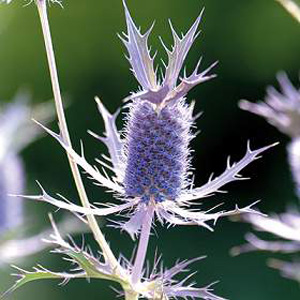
(252, 41)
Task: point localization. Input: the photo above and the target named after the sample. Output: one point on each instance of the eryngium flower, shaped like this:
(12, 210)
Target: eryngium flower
(151, 161)
(282, 110)
(157, 151)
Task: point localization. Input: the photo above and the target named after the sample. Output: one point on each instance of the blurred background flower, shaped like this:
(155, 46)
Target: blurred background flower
(252, 40)
(16, 132)
(281, 109)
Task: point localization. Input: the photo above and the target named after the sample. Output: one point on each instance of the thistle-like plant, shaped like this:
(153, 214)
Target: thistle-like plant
(282, 110)
(152, 176)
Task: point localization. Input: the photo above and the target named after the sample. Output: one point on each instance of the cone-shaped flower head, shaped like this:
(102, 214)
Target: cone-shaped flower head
(151, 159)
(158, 130)
(157, 151)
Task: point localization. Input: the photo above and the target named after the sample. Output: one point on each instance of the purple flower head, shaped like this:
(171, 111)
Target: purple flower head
(151, 160)
(152, 178)
(156, 150)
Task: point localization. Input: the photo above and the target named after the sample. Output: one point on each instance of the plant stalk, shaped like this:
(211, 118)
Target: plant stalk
(98, 235)
(130, 295)
(143, 245)
(292, 7)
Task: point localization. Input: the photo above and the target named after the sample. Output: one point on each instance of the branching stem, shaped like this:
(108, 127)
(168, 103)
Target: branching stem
(98, 235)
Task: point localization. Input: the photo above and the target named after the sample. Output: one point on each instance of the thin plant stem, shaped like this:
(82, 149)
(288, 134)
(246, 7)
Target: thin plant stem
(292, 7)
(98, 235)
(130, 295)
(143, 246)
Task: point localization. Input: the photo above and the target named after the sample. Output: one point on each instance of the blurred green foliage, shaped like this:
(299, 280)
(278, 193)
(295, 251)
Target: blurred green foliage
(252, 41)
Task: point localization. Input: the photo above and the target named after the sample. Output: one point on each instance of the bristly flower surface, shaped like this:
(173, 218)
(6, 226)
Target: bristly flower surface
(151, 161)
(156, 151)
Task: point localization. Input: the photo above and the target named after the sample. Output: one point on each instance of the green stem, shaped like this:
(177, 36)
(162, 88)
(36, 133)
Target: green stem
(98, 235)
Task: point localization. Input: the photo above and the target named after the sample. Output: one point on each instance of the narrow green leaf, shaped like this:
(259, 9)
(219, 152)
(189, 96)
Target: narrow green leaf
(38, 274)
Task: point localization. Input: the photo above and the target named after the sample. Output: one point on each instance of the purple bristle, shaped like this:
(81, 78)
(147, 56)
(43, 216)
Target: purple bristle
(156, 151)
